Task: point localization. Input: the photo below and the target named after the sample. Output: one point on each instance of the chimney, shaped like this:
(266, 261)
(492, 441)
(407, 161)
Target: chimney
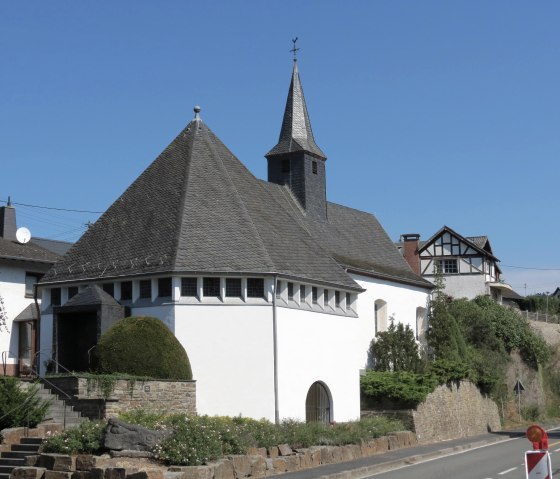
(8, 222)
(410, 251)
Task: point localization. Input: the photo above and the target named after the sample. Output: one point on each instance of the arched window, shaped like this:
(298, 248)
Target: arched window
(380, 316)
(421, 324)
(318, 404)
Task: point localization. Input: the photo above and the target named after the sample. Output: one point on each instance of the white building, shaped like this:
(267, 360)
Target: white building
(23, 261)
(274, 292)
(466, 263)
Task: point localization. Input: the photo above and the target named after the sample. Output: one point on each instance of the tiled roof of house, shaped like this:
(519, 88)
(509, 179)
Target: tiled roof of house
(30, 251)
(197, 209)
(56, 246)
(479, 241)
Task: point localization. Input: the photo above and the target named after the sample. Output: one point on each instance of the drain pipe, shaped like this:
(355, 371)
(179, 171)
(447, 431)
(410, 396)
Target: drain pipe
(37, 344)
(275, 351)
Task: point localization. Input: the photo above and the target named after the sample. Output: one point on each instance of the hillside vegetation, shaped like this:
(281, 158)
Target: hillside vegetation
(466, 339)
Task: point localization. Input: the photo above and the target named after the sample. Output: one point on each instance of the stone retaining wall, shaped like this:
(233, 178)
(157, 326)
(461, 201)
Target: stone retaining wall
(258, 463)
(98, 399)
(455, 411)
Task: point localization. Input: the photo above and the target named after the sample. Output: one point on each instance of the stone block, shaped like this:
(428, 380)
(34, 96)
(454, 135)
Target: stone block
(102, 462)
(84, 462)
(292, 463)
(241, 466)
(305, 461)
(327, 455)
(28, 473)
(97, 473)
(31, 461)
(257, 451)
(81, 475)
(315, 453)
(115, 473)
(258, 465)
(12, 435)
(279, 464)
(393, 442)
(355, 451)
(337, 455)
(56, 462)
(122, 436)
(285, 450)
(192, 472)
(223, 469)
(57, 475)
(382, 444)
(273, 452)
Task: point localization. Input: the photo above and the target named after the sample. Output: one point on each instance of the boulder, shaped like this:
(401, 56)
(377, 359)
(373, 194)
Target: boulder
(121, 436)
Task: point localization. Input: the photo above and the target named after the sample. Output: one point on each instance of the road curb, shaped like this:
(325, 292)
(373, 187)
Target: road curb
(364, 471)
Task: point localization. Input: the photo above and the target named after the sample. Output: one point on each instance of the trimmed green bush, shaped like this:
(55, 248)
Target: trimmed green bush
(142, 346)
(20, 407)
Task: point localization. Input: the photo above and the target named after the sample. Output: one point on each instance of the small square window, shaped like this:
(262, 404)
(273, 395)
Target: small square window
(56, 297)
(337, 299)
(302, 292)
(233, 287)
(189, 287)
(290, 291)
(314, 295)
(326, 297)
(285, 166)
(72, 291)
(255, 288)
(314, 167)
(164, 288)
(146, 289)
(126, 290)
(448, 266)
(109, 288)
(211, 287)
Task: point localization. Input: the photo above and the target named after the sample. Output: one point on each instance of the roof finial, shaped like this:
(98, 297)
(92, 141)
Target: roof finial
(196, 112)
(9, 201)
(294, 49)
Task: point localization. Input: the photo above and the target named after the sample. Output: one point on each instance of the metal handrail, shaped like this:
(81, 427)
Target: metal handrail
(5, 360)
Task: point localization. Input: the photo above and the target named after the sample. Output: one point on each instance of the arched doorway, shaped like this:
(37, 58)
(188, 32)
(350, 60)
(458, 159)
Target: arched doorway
(318, 404)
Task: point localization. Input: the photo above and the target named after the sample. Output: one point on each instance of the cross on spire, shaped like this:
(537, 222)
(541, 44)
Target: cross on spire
(294, 49)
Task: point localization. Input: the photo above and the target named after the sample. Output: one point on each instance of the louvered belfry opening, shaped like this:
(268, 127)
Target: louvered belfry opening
(318, 404)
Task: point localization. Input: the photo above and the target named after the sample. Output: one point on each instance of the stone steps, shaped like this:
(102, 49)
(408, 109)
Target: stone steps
(28, 446)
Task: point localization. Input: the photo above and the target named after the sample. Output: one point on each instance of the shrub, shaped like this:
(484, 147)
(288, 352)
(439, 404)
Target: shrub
(142, 346)
(20, 407)
(403, 389)
(87, 438)
(199, 439)
(395, 349)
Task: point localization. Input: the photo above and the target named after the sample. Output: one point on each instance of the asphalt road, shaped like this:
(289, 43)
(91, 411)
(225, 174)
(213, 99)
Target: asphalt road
(502, 460)
(498, 455)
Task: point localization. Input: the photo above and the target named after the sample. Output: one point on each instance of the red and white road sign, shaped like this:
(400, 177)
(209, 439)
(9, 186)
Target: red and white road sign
(537, 465)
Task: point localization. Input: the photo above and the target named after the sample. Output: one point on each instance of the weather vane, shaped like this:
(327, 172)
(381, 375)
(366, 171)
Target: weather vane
(295, 49)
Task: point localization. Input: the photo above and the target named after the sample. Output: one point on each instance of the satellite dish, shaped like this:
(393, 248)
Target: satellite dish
(23, 235)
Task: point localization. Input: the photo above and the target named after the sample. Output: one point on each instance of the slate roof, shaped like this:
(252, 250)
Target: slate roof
(93, 295)
(32, 252)
(197, 209)
(56, 246)
(296, 133)
(29, 313)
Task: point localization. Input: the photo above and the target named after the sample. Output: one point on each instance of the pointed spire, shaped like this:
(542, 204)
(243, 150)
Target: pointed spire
(296, 133)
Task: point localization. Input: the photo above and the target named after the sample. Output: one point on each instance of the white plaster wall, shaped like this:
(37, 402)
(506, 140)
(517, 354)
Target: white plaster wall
(231, 353)
(402, 301)
(318, 347)
(12, 290)
(465, 286)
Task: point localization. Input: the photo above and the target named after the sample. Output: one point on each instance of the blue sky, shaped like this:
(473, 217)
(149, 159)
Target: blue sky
(431, 113)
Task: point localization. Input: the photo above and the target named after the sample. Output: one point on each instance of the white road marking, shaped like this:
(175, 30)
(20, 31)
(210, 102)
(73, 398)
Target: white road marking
(506, 471)
(556, 450)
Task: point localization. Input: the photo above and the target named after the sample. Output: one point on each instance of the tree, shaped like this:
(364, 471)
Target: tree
(394, 349)
(20, 407)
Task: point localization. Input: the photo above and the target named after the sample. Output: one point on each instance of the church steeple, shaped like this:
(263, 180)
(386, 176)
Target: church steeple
(296, 133)
(296, 161)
